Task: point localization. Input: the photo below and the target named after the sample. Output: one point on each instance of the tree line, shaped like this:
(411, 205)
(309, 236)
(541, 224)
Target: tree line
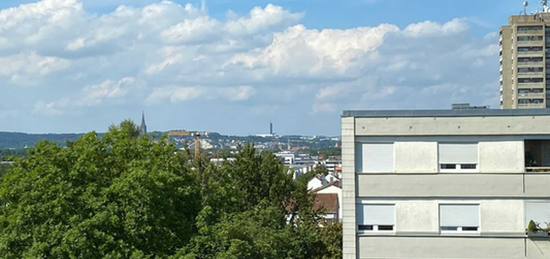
(125, 196)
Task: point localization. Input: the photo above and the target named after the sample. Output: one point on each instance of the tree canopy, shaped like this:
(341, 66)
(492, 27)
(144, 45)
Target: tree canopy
(125, 196)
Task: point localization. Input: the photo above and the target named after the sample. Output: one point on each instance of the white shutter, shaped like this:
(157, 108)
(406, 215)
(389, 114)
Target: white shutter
(459, 215)
(380, 214)
(538, 212)
(458, 153)
(377, 158)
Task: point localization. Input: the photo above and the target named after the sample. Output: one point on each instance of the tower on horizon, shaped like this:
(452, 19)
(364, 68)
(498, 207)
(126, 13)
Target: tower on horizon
(271, 128)
(143, 127)
(524, 55)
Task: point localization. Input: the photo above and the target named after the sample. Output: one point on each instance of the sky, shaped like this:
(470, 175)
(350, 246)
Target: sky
(233, 66)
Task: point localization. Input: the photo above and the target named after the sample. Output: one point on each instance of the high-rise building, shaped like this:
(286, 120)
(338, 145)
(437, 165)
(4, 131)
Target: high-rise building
(462, 183)
(525, 61)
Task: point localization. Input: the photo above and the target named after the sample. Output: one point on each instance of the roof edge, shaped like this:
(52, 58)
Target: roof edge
(445, 113)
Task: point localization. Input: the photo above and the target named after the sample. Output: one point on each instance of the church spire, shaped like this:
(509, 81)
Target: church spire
(143, 127)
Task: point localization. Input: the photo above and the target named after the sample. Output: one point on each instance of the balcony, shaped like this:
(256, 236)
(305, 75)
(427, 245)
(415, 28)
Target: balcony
(529, 43)
(531, 95)
(529, 74)
(537, 155)
(531, 32)
(530, 63)
(530, 85)
(531, 105)
(539, 53)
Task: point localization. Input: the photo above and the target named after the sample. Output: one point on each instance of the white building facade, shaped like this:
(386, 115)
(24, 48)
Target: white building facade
(445, 183)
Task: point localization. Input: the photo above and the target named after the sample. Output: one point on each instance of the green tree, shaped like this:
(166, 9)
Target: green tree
(124, 196)
(115, 197)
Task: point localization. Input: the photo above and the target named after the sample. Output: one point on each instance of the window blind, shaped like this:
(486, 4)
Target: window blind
(377, 158)
(458, 153)
(458, 215)
(383, 214)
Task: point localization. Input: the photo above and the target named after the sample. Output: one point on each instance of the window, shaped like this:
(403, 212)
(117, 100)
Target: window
(376, 217)
(459, 217)
(375, 158)
(457, 156)
(539, 212)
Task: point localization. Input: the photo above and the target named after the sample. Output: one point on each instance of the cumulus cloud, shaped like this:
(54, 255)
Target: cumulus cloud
(181, 94)
(94, 94)
(168, 53)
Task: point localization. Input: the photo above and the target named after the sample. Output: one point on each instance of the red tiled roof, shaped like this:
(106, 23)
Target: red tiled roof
(329, 201)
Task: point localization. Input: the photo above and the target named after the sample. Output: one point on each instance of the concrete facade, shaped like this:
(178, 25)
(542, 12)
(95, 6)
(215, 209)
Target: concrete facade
(523, 53)
(418, 186)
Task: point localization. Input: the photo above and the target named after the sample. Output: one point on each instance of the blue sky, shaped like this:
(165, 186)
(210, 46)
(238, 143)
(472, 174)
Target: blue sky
(234, 66)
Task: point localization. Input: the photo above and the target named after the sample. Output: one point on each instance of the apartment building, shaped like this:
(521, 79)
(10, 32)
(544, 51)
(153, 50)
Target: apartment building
(445, 183)
(524, 61)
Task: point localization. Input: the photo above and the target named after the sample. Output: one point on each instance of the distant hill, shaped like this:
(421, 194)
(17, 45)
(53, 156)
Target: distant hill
(20, 140)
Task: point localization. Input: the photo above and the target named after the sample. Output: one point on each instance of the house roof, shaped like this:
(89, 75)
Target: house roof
(446, 113)
(335, 183)
(329, 201)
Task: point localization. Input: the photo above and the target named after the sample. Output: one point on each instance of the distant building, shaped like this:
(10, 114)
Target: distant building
(328, 202)
(523, 52)
(333, 188)
(143, 127)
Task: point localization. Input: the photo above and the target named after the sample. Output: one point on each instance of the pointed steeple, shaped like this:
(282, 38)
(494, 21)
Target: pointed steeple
(143, 127)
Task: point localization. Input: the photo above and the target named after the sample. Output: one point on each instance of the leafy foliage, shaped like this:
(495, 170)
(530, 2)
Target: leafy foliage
(532, 226)
(124, 196)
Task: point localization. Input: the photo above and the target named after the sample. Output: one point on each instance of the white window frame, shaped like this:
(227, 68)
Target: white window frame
(375, 227)
(458, 168)
(458, 165)
(459, 229)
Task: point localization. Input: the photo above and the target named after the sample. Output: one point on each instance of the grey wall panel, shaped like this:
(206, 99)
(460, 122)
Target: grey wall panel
(440, 247)
(439, 185)
(537, 184)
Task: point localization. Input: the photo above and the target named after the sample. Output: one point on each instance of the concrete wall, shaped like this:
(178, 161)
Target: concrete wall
(443, 185)
(416, 156)
(431, 126)
(420, 154)
(349, 246)
(501, 156)
(437, 247)
(421, 216)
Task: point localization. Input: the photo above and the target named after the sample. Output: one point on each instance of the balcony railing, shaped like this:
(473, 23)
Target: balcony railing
(530, 32)
(531, 95)
(529, 63)
(534, 43)
(539, 53)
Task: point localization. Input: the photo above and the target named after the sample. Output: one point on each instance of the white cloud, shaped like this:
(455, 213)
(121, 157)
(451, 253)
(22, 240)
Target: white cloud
(262, 19)
(430, 29)
(167, 53)
(94, 94)
(181, 94)
(302, 52)
(50, 108)
(196, 30)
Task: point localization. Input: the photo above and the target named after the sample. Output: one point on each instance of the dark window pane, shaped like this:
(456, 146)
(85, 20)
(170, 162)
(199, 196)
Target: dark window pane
(385, 228)
(468, 166)
(469, 228)
(448, 166)
(366, 227)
